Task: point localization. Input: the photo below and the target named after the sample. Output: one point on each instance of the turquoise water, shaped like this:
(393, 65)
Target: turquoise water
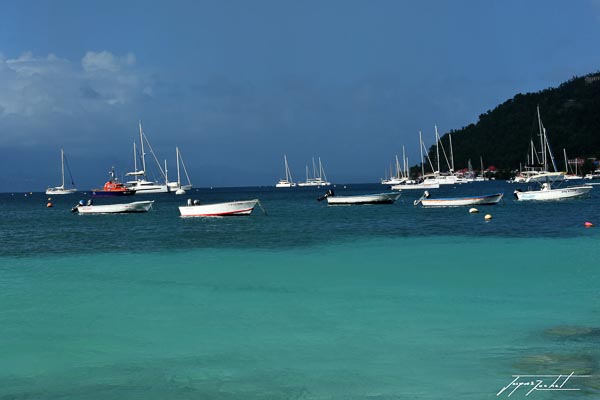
(307, 302)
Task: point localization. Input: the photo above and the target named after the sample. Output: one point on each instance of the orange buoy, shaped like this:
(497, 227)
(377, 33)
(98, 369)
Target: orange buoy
(49, 205)
(588, 224)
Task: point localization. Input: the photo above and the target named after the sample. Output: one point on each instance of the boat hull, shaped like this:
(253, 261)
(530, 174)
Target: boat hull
(144, 186)
(112, 193)
(421, 186)
(219, 209)
(380, 198)
(59, 190)
(314, 184)
(463, 201)
(135, 207)
(285, 184)
(553, 194)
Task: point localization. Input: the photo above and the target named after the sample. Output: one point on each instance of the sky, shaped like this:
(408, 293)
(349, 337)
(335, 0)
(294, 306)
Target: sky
(238, 84)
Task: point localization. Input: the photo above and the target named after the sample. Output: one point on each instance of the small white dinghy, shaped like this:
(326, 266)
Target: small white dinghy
(488, 199)
(135, 207)
(377, 198)
(195, 209)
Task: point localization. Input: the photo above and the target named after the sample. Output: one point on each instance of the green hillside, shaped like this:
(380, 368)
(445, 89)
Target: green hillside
(570, 113)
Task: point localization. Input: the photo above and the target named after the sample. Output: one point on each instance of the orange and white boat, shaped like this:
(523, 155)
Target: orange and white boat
(113, 187)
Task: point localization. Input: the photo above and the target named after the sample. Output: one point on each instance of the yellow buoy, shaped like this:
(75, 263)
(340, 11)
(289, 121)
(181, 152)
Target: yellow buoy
(473, 210)
(488, 217)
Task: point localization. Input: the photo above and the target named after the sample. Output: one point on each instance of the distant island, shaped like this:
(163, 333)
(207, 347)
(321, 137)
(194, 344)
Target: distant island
(570, 114)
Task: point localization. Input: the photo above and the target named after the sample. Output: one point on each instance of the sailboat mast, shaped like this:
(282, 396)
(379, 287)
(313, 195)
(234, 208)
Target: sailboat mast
(422, 159)
(404, 164)
(322, 171)
(481, 161)
(542, 140)
(178, 175)
(143, 154)
(437, 149)
(62, 166)
(166, 173)
(451, 155)
(134, 159)
(288, 174)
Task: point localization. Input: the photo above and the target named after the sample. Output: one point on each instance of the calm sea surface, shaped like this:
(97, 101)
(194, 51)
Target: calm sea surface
(306, 302)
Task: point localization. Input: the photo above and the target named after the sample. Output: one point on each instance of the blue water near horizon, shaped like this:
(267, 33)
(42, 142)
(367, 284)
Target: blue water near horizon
(307, 302)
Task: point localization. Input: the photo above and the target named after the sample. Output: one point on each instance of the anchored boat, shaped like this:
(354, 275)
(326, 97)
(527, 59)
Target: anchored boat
(488, 199)
(135, 207)
(547, 193)
(195, 209)
(377, 198)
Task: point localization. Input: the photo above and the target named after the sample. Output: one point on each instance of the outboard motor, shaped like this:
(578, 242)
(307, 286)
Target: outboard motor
(326, 195)
(517, 191)
(79, 204)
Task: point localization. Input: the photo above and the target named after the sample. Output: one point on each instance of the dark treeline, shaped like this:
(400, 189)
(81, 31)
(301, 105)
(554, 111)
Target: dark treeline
(570, 113)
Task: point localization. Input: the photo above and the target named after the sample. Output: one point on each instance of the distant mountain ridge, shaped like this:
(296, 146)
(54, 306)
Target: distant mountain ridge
(570, 114)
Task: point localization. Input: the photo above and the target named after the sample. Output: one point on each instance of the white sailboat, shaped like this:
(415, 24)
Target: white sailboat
(287, 182)
(395, 179)
(141, 184)
(61, 189)
(444, 178)
(424, 183)
(177, 187)
(546, 178)
(318, 179)
(540, 173)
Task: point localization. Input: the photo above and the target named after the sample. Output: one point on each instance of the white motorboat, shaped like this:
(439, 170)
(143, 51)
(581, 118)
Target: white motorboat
(62, 189)
(195, 209)
(547, 193)
(488, 199)
(135, 207)
(378, 198)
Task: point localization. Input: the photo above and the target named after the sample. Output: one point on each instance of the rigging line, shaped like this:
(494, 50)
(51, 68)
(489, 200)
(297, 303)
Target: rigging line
(154, 155)
(427, 155)
(184, 168)
(69, 169)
